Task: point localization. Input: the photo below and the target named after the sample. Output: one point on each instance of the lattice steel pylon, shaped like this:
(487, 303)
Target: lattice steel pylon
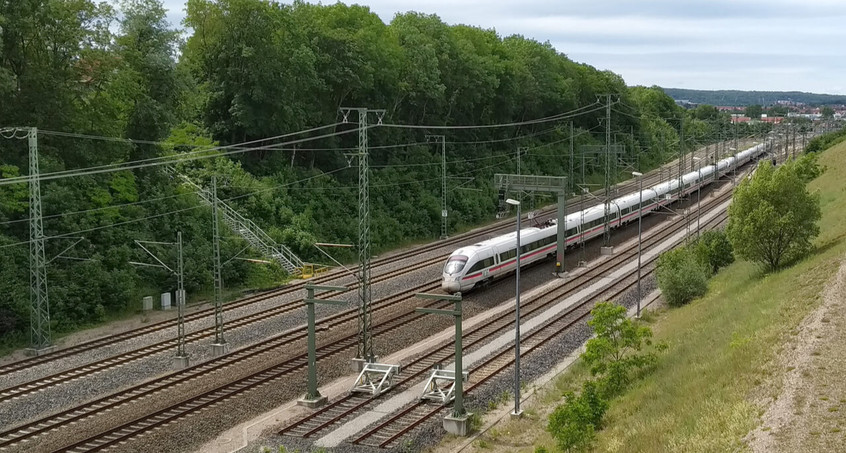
(606, 232)
(39, 317)
(365, 341)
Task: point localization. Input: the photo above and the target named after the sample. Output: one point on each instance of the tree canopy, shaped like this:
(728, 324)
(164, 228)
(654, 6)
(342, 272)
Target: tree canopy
(112, 84)
(773, 217)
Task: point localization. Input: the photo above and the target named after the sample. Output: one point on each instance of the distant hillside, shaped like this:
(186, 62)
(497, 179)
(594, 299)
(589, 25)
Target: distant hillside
(741, 98)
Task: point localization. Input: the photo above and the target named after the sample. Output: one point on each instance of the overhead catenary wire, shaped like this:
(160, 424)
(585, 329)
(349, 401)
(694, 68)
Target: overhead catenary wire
(110, 207)
(104, 208)
(566, 115)
(177, 211)
(172, 159)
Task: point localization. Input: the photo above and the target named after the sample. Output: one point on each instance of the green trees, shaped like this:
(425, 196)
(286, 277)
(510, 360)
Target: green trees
(827, 112)
(714, 249)
(252, 69)
(773, 216)
(754, 111)
(826, 141)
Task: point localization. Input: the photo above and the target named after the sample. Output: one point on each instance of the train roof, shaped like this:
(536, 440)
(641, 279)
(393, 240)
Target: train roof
(497, 241)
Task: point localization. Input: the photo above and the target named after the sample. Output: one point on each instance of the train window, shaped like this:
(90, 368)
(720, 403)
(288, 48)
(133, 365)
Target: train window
(476, 267)
(570, 232)
(488, 262)
(507, 255)
(455, 264)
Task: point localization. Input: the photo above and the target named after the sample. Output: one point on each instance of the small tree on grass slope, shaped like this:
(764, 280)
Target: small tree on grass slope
(682, 275)
(615, 355)
(773, 216)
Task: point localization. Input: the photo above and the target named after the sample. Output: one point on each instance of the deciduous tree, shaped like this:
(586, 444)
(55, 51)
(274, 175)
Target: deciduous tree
(773, 217)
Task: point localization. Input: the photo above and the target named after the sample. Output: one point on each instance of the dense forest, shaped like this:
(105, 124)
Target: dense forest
(743, 98)
(109, 86)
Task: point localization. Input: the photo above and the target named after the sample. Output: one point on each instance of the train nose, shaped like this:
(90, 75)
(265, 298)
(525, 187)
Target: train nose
(451, 284)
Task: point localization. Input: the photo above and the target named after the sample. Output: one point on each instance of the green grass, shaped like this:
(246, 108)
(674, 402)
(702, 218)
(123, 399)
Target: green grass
(701, 396)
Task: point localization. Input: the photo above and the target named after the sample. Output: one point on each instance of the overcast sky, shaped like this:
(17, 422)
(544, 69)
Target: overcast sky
(765, 45)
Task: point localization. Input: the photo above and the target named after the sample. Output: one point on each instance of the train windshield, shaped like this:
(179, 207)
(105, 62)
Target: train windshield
(455, 264)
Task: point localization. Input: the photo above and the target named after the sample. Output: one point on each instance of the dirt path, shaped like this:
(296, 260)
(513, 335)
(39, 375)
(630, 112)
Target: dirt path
(808, 412)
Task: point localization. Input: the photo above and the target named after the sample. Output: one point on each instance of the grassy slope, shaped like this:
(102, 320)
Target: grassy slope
(702, 395)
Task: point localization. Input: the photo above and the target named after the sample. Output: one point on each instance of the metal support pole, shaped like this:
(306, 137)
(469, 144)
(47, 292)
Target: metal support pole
(442, 140)
(218, 274)
(40, 335)
(180, 298)
(365, 344)
(520, 151)
(562, 233)
(572, 159)
(458, 410)
(311, 393)
(606, 234)
(181, 357)
(698, 199)
(313, 398)
(517, 412)
(681, 156)
(639, 245)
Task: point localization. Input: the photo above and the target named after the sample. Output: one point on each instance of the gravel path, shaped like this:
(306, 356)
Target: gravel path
(806, 414)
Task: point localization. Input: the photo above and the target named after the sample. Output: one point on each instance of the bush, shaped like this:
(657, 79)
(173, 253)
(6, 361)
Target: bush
(616, 352)
(714, 248)
(682, 276)
(574, 423)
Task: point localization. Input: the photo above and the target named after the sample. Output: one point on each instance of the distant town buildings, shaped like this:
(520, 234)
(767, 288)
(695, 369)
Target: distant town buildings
(794, 110)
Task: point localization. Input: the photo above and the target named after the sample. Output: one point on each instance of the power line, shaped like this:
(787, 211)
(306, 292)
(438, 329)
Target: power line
(560, 116)
(170, 160)
(102, 208)
(177, 211)
(162, 143)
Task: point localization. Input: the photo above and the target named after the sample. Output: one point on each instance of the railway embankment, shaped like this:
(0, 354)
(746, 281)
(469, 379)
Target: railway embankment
(754, 365)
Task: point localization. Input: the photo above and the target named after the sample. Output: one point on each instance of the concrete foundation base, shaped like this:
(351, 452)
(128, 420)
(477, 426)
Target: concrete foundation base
(220, 349)
(180, 362)
(312, 403)
(459, 426)
(32, 352)
(358, 364)
(516, 415)
(561, 274)
(606, 251)
(582, 263)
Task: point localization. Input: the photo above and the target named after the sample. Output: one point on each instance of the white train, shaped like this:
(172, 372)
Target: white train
(480, 263)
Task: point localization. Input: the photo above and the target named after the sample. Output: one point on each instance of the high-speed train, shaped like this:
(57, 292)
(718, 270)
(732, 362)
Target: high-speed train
(482, 262)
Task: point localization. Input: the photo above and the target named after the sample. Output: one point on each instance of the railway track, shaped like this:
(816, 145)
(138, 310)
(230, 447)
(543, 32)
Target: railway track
(389, 432)
(37, 426)
(330, 417)
(651, 178)
(117, 360)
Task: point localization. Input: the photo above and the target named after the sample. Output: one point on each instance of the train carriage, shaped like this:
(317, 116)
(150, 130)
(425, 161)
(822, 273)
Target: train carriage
(480, 263)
